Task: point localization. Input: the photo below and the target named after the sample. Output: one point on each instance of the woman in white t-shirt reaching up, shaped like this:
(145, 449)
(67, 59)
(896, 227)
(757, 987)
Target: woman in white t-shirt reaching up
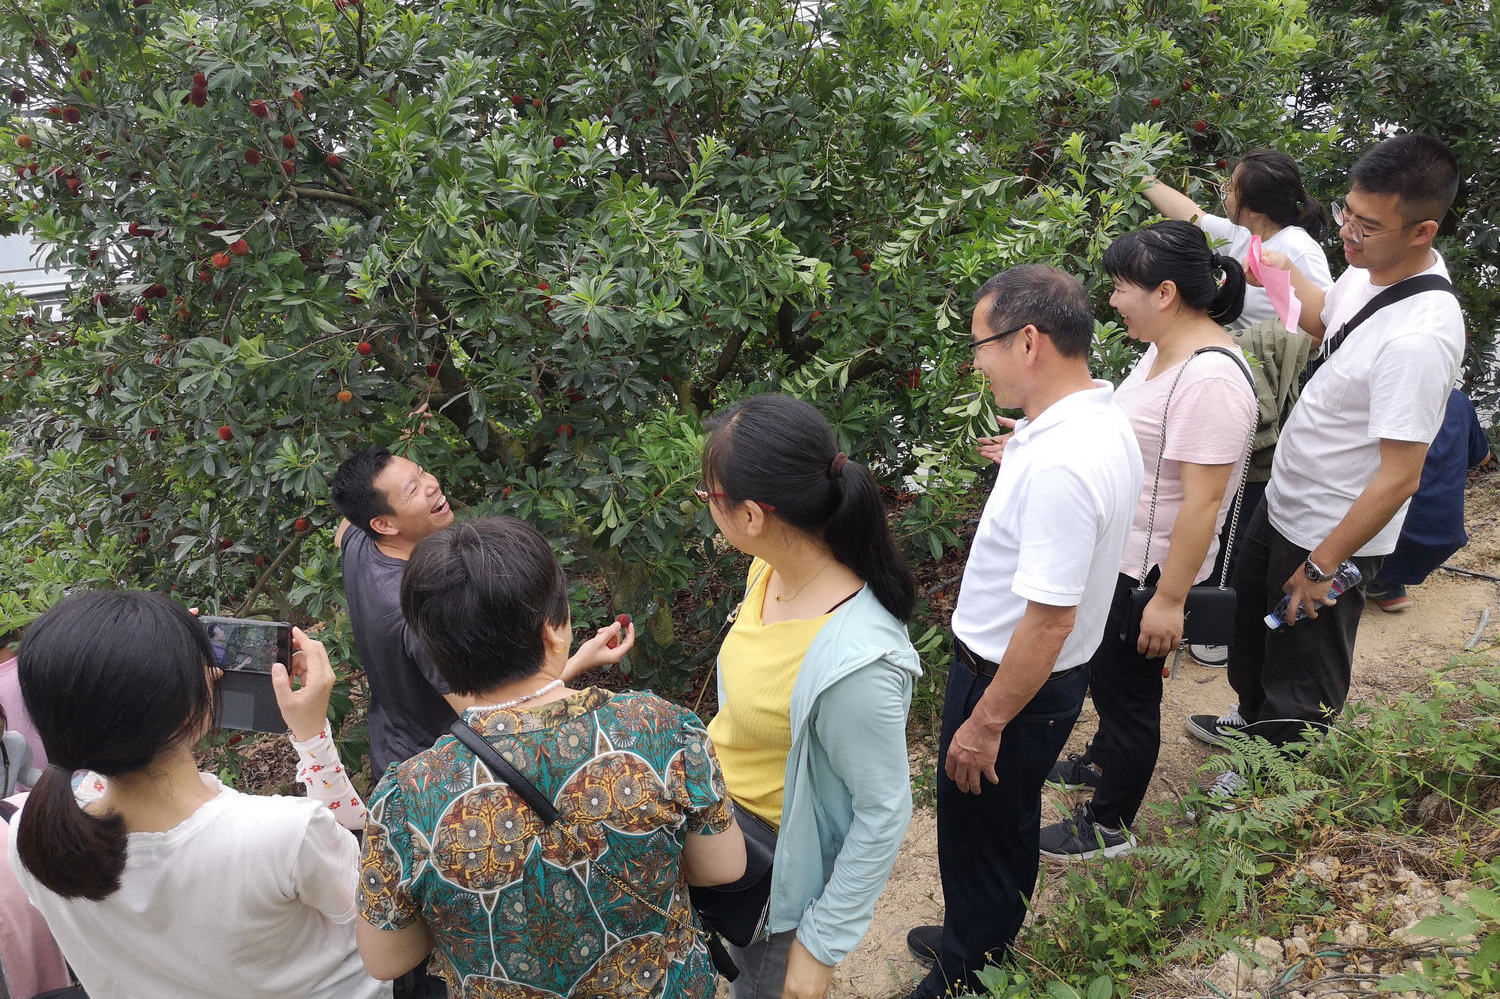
(1190, 404)
(1263, 197)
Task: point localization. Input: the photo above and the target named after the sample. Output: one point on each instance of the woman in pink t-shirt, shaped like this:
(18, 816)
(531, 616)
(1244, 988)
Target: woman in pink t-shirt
(1174, 294)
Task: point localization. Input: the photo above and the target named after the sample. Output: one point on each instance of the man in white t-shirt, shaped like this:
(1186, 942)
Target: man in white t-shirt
(1031, 610)
(1351, 452)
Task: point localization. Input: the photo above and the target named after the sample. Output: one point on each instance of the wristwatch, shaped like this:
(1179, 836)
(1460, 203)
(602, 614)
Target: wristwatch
(1314, 573)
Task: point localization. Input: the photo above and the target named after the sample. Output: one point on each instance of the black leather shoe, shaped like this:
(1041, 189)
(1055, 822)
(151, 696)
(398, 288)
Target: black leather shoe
(925, 942)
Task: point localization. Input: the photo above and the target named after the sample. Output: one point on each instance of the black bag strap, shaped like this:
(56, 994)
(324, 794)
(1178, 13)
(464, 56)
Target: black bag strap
(505, 770)
(1390, 296)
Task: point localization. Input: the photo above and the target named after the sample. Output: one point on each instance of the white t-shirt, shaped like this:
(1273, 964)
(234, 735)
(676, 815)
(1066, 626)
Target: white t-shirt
(1388, 381)
(248, 897)
(1053, 526)
(1212, 413)
(1300, 248)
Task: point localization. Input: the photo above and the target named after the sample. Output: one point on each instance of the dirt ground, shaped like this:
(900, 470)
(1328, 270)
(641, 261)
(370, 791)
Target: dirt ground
(1395, 653)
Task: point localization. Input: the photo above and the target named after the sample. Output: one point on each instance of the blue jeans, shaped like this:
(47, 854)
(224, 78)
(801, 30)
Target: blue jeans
(988, 842)
(762, 966)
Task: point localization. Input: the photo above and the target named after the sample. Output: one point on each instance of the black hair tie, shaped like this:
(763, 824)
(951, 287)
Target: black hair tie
(836, 467)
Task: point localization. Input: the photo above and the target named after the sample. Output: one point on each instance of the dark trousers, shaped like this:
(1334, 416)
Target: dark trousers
(1297, 675)
(1254, 493)
(988, 842)
(419, 984)
(1127, 694)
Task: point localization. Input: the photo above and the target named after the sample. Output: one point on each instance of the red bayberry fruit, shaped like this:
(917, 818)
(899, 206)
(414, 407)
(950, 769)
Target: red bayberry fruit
(199, 80)
(239, 247)
(224, 545)
(297, 96)
(101, 299)
(17, 95)
(558, 142)
(1221, 163)
(141, 313)
(432, 370)
(198, 97)
(865, 267)
(259, 109)
(252, 157)
(136, 229)
(24, 141)
(543, 286)
(345, 396)
(536, 102)
(1200, 125)
(289, 141)
(205, 275)
(1187, 85)
(288, 167)
(72, 115)
(364, 348)
(565, 430)
(334, 161)
(623, 620)
(515, 99)
(1156, 102)
(221, 260)
(225, 433)
(301, 524)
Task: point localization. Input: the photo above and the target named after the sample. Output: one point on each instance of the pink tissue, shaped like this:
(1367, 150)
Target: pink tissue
(1278, 285)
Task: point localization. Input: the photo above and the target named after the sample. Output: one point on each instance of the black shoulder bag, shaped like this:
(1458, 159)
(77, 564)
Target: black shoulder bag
(542, 805)
(1208, 618)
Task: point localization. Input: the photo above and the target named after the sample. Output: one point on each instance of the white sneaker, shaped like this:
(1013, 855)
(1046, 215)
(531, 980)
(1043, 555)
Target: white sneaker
(1212, 656)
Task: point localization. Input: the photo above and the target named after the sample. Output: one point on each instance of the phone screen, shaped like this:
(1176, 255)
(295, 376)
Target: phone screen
(242, 645)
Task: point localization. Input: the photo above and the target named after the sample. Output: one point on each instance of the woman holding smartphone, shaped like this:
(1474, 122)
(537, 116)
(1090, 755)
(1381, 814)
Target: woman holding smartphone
(1190, 403)
(161, 881)
(815, 681)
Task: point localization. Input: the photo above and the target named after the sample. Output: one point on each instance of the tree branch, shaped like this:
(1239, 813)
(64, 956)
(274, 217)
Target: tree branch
(323, 194)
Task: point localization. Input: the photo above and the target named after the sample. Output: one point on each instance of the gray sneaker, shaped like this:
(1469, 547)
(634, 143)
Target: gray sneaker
(1081, 838)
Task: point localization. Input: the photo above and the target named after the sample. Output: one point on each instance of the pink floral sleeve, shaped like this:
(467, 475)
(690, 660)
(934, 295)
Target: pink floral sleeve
(322, 772)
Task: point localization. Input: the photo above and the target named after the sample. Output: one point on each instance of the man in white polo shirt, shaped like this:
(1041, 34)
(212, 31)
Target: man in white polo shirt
(1031, 610)
(1351, 453)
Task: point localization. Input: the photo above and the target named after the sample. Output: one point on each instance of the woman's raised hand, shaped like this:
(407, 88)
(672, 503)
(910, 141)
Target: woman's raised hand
(305, 709)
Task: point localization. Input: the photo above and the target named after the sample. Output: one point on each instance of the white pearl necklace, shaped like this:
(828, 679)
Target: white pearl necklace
(545, 688)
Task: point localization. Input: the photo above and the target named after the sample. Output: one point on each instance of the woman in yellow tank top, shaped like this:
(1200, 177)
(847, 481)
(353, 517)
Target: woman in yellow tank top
(815, 680)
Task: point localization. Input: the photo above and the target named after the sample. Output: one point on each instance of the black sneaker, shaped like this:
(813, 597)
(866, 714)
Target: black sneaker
(1076, 772)
(1081, 838)
(924, 942)
(1215, 730)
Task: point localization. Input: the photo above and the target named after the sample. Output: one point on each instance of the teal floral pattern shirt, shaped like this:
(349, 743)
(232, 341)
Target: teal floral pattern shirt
(525, 911)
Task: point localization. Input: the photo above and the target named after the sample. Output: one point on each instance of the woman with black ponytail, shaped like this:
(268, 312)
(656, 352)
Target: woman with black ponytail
(1192, 408)
(155, 879)
(1264, 197)
(815, 681)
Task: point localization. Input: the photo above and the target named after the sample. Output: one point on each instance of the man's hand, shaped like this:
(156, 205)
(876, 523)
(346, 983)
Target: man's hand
(972, 752)
(305, 710)
(806, 976)
(993, 448)
(597, 650)
(1268, 258)
(1161, 626)
(1306, 594)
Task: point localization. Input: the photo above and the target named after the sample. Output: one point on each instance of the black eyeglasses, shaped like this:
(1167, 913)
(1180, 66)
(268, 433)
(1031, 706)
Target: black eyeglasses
(701, 491)
(1357, 231)
(976, 344)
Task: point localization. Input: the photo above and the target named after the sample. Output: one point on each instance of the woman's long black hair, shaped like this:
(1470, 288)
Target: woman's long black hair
(781, 451)
(1269, 182)
(110, 679)
(1178, 251)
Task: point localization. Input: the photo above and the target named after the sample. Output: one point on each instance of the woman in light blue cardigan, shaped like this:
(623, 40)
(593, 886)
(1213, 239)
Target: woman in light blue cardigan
(815, 681)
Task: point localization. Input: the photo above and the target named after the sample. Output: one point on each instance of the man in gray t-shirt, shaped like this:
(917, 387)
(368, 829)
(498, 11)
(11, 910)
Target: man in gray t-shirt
(392, 504)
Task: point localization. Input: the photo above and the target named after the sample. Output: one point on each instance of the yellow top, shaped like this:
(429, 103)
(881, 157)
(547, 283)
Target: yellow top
(758, 665)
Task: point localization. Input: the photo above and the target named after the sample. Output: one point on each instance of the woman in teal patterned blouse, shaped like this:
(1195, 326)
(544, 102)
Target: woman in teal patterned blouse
(456, 864)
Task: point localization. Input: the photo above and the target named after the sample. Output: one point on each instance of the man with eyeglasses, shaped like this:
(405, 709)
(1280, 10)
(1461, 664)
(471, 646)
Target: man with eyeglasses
(1031, 610)
(1391, 338)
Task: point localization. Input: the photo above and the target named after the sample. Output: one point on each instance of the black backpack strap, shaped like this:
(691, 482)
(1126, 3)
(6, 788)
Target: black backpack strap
(1238, 362)
(502, 768)
(1389, 296)
(7, 811)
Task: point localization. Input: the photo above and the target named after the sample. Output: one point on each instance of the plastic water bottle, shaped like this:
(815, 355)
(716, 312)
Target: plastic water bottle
(1344, 578)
